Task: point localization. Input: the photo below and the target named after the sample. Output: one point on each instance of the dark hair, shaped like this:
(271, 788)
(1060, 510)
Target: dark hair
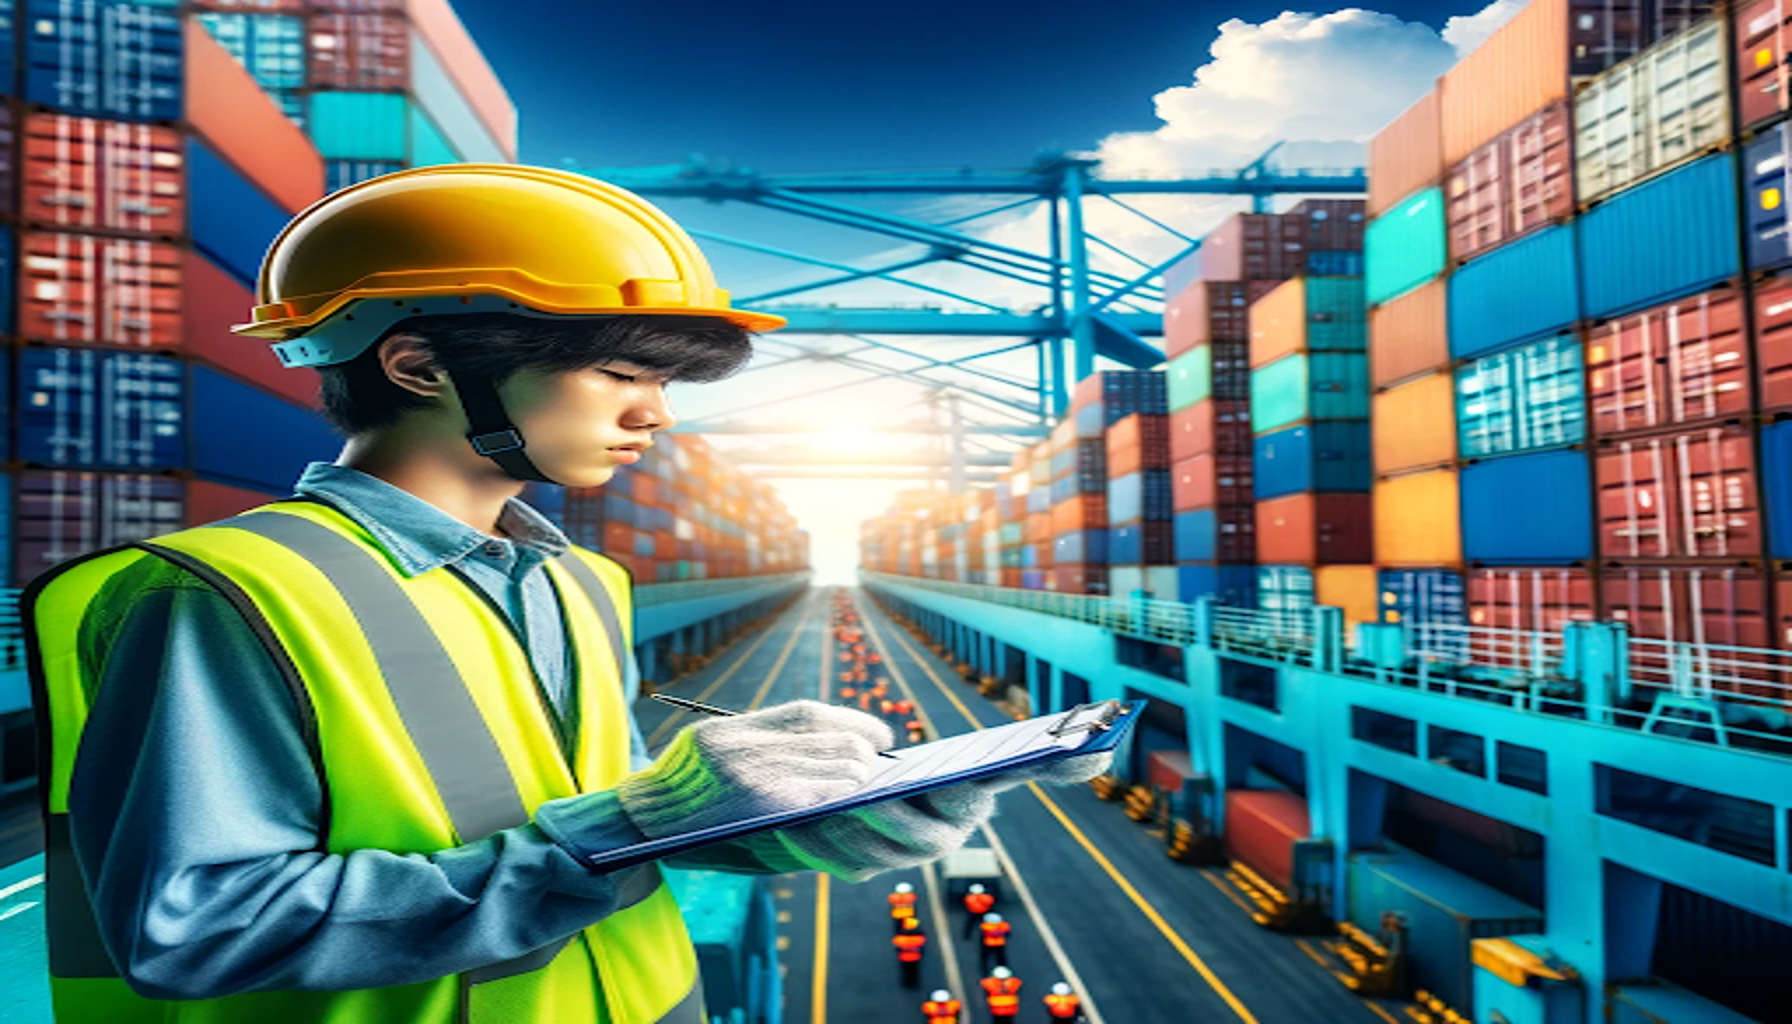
(358, 397)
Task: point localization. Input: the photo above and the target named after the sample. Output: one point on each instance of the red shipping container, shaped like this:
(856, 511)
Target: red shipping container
(1255, 247)
(209, 502)
(1773, 341)
(1333, 225)
(1687, 495)
(1081, 579)
(1137, 442)
(1530, 599)
(665, 546)
(1783, 601)
(213, 302)
(1214, 425)
(368, 52)
(1702, 605)
(83, 173)
(1521, 180)
(1315, 529)
(1681, 362)
(646, 489)
(1083, 512)
(110, 291)
(245, 126)
(1262, 826)
(1011, 578)
(1210, 311)
(1038, 529)
(617, 539)
(1760, 33)
(63, 515)
(1211, 479)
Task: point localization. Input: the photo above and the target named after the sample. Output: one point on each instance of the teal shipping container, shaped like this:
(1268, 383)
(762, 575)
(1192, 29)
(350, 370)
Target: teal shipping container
(1514, 294)
(271, 47)
(1526, 399)
(461, 128)
(1337, 314)
(1671, 236)
(376, 126)
(1189, 377)
(1284, 588)
(1405, 247)
(1310, 386)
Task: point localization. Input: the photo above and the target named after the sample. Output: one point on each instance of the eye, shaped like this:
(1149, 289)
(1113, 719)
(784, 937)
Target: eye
(625, 378)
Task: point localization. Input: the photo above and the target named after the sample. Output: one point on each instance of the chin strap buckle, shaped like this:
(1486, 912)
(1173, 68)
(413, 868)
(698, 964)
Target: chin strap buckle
(506, 440)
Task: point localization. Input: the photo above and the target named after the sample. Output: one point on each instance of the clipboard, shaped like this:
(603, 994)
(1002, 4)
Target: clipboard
(1085, 729)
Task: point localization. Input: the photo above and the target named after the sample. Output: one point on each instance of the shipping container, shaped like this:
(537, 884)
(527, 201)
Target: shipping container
(1209, 311)
(450, 110)
(1108, 396)
(270, 47)
(1783, 602)
(1303, 387)
(208, 502)
(1284, 588)
(1670, 236)
(1518, 182)
(1308, 314)
(473, 77)
(1683, 362)
(1351, 588)
(1443, 911)
(1083, 512)
(1334, 263)
(1081, 547)
(1530, 599)
(232, 222)
(272, 456)
(1315, 529)
(110, 291)
(91, 408)
(1262, 827)
(1405, 247)
(1158, 582)
(1418, 520)
(1232, 585)
(63, 515)
(1514, 73)
(1514, 294)
(1211, 479)
(1421, 597)
(1524, 399)
(1080, 579)
(1767, 184)
(1761, 33)
(1224, 534)
(1773, 341)
(1660, 1002)
(105, 58)
(1414, 425)
(1534, 509)
(1032, 579)
(1668, 104)
(246, 128)
(376, 127)
(1686, 495)
(1146, 543)
(1215, 425)
(1333, 226)
(1776, 486)
(1142, 496)
(214, 300)
(82, 173)
(1409, 336)
(340, 174)
(1406, 156)
(368, 51)
(1255, 247)
(1699, 605)
(1138, 442)
(1327, 456)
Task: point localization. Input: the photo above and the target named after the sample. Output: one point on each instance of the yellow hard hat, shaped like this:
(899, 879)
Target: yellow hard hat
(465, 238)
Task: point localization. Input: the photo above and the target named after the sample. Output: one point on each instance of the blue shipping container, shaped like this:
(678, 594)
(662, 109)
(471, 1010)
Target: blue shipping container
(1528, 509)
(120, 61)
(340, 174)
(1039, 499)
(6, 281)
(1233, 585)
(1144, 496)
(1422, 596)
(1032, 579)
(271, 47)
(113, 410)
(231, 221)
(1769, 186)
(1516, 293)
(1330, 457)
(1525, 399)
(1284, 588)
(618, 509)
(360, 125)
(1079, 547)
(1194, 535)
(9, 68)
(1335, 263)
(1671, 236)
(243, 433)
(1776, 482)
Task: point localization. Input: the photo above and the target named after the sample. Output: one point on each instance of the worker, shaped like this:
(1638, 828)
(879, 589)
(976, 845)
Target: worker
(886, 707)
(917, 733)
(1002, 990)
(995, 941)
(348, 755)
(1062, 1004)
(941, 1008)
(905, 707)
(902, 903)
(977, 902)
(910, 940)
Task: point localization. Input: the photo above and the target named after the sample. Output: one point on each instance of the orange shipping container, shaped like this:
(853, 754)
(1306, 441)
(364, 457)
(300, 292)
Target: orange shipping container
(1406, 156)
(1414, 425)
(1314, 529)
(1409, 336)
(1350, 587)
(1516, 72)
(1417, 523)
(1279, 323)
(243, 125)
(441, 28)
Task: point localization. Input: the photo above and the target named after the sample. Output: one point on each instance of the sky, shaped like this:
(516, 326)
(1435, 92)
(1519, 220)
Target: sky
(1150, 86)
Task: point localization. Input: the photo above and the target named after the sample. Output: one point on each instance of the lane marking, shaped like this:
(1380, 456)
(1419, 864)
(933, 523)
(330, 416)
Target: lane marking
(20, 909)
(942, 930)
(1314, 954)
(1223, 887)
(818, 989)
(18, 887)
(1379, 1012)
(678, 714)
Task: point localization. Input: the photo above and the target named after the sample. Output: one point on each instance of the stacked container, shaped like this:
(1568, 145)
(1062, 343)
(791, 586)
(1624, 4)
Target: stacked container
(1079, 511)
(1139, 500)
(1099, 515)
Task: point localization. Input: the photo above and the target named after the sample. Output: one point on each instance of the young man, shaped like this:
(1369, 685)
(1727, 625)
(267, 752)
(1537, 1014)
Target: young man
(346, 756)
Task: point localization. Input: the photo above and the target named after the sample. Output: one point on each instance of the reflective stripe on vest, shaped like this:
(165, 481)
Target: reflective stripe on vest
(995, 934)
(437, 736)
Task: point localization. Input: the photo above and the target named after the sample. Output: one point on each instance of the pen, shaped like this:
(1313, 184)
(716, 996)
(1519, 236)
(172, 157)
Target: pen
(712, 710)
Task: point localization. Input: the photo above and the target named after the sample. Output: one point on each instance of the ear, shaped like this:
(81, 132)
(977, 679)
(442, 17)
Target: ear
(408, 363)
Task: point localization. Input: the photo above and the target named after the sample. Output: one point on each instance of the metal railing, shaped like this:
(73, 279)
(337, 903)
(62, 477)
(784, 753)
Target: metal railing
(648, 594)
(12, 634)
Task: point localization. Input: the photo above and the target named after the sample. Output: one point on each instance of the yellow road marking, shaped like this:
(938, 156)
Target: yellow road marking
(1314, 953)
(678, 714)
(1224, 888)
(818, 990)
(1379, 1012)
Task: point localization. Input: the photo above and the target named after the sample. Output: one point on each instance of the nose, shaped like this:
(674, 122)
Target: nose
(652, 412)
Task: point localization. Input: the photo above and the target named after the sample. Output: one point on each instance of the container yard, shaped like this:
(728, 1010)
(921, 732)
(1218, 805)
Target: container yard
(1441, 516)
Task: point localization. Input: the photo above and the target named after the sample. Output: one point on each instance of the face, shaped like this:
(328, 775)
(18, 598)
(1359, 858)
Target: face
(576, 421)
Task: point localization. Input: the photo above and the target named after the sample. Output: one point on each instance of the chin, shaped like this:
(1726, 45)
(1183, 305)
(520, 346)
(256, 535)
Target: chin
(591, 476)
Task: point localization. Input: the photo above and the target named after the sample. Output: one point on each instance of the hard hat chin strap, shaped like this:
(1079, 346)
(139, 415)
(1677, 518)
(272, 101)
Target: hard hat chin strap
(490, 431)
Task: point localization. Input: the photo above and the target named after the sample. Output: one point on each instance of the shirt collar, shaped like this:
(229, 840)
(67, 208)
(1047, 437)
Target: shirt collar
(417, 534)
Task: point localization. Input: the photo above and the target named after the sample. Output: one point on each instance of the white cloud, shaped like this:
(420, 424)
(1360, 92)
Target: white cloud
(1465, 32)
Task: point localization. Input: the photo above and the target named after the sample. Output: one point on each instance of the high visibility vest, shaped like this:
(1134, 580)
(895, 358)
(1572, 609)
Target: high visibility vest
(1004, 996)
(1061, 1007)
(995, 934)
(902, 904)
(978, 902)
(909, 945)
(942, 1013)
(428, 729)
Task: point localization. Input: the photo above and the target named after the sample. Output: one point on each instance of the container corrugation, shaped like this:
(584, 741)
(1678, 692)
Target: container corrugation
(213, 301)
(105, 59)
(360, 125)
(1316, 386)
(108, 291)
(1215, 425)
(1284, 588)
(1157, 581)
(1667, 104)
(91, 408)
(1039, 499)
(1701, 605)
(1335, 263)
(81, 173)
(1208, 311)
(1225, 534)
(1083, 512)
(1220, 369)
(340, 174)
(1211, 479)
(1444, 913)
(1331, 457)
(7, 279)
(1255, 247)
(1146, 543)
(1768, 182)
(474, 78)
(1761, 32)
(1534, 509)
(1081, 547)
(231, 221)
(246, 128)
(1684, 362)
(1414, 425)
(438, 93)
(1783, 603)
(1417, 520)
(271, 47)
(208, 501)
(64, 514)
(1406, 156)
(1080, 579)
(1409, 336)
(1524, 399)
(9, 68)
(1262, 827)
(1776, 486)
(1603, 32)
(1685, 495)
(1349, 587)
(1143, 496)
(1332, 226)
(1308, 314)
(1516, 71)
(273, 455)
(1234, 585)
(1520, 181)
(1423, 597)
(1316, 529)
(366, 51)
(1773, 342)
(1138, 442)
(1405, 247)
(1121, 393)
(1514, 294)
(1530, 599)
(1669, 236)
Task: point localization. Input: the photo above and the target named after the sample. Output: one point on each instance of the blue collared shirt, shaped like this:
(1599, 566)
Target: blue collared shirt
(195, 808)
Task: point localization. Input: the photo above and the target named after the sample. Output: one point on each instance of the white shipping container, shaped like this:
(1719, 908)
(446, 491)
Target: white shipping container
(1665, 105)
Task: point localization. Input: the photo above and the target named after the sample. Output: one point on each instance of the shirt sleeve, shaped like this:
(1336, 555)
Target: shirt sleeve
(195, 808)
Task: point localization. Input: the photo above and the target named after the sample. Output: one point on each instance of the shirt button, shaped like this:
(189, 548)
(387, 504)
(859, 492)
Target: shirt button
(494, 549)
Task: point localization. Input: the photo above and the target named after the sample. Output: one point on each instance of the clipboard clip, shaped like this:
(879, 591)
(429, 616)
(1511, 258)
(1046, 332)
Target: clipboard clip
(1086, 718)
